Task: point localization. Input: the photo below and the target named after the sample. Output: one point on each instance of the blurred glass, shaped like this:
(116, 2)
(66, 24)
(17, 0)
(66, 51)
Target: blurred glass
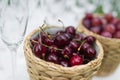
(14, 24)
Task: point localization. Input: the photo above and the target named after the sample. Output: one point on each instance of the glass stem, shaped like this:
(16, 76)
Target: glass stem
(13, 59)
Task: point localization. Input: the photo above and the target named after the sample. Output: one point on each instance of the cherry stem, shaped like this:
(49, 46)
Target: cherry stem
(61, 22)
(81, 45)
(45, 45)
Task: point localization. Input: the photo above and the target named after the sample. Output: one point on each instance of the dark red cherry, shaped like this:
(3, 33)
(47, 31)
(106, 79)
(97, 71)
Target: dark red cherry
(68, 36)
(117, 34)
(43, 36)
(67, 52)
(49, 42)
(60, 32)
(118, 26)
(90, 39)
(96, 30)
(110, 28)
(52, 58)
(84, 46)
(76, 60)
(90, 53)
(64, 63)
(96, 21)
(86, 23)
(61, 41)
(71, 30)
(74, 45)
(106, 34)
(103, 21)
(34, 41)
(39, 50)
(79, 36)
(88, 16)
(115, 21)
(53, 49)
(109, 17)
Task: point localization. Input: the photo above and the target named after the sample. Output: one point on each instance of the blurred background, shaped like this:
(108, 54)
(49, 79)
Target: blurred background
(30, 14)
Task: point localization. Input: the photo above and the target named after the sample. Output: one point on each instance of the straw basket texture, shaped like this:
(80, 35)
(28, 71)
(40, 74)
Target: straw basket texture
(111, 48)
(39, 69)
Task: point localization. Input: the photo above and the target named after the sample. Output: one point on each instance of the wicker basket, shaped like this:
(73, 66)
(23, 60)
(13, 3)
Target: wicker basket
(39, 69)
(111, 48)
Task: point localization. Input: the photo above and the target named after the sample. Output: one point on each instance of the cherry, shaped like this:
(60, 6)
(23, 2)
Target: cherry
(115, 21)
(71, 30)
(61, 41)
(52, 58)
(110, 28)
(118, 26)
(68, 36)
(108, 17)
(74, 45)
(84, 47)
(67, 52)
(53, 49)
(43, 36)
(88, 16)
(60, 32)
(96, 21)
(106, 34)
(39, 50)
(86, 23)
(76, 60)
(103, 21)
(90, 53)
(96, 30)
(49, 42)
(90, 39)
(117, 34)
(64, 63)
(34, 41)
(79, 37)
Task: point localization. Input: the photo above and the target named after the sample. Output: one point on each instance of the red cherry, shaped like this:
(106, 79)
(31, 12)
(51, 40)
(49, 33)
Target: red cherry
(88, 16)
(70, 29)
(109, 17)
(106, 34)
(117, 34)
(90, 39)
(118, 26)
(60, 32)
(76, 60)
(114, 21)
(64, 63)
(79, 37)
(53, 58)
(74, 45)
(61, 41)
(39, 50)
(84, 47)
(67, 52)
(110, 28)
(96, 21)
(103, 21)
(34, 41)
(49, 42)
(96, 30)
(87, 23)
(90, 53)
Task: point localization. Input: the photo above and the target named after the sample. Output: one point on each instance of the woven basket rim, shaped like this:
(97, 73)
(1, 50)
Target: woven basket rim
(37, 60)
(105, 38)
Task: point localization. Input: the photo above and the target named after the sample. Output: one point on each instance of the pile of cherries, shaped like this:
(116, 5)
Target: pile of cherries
(65, 47)
(107, 26)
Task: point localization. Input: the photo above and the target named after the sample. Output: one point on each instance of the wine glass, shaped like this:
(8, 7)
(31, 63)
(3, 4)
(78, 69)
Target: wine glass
(14, 25)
